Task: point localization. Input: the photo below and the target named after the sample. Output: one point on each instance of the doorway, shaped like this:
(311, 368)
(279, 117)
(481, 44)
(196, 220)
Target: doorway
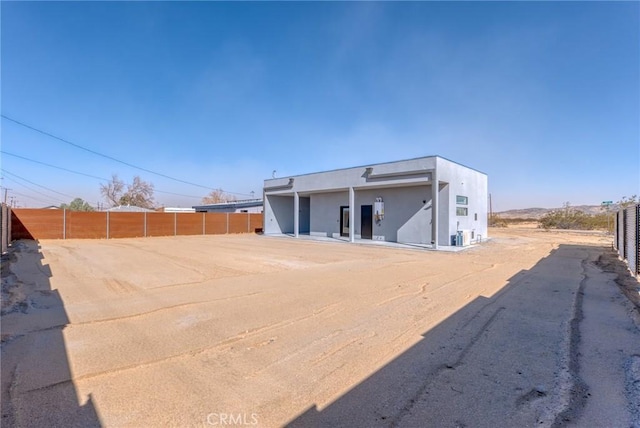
(344, 221)
(366, 221)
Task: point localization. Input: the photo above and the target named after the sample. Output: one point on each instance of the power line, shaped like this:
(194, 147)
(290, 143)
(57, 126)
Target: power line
(109, 157)
(35, 184)
(35, 198)
(89, 175)
(53, 166)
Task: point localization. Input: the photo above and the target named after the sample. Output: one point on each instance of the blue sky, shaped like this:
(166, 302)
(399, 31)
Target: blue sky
(543, 97)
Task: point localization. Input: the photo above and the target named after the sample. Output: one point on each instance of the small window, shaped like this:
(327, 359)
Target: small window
(244, 211)
(462, 200)
(475, 216)
(462, 211)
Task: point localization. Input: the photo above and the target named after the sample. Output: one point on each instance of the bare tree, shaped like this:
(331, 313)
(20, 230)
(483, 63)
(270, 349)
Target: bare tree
(113, 190)
(139, 193)
(217, 196)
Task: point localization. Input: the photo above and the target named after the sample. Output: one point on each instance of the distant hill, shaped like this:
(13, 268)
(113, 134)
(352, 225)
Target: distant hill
(536, 213)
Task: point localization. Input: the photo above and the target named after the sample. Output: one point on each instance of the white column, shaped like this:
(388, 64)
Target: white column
(434, 207)
(296, 214)
(352, 215)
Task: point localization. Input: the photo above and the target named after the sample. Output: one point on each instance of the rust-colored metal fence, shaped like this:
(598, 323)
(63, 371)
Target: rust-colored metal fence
(29, 223)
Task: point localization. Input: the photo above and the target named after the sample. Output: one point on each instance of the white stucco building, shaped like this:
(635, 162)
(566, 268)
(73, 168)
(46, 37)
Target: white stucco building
(391, 201)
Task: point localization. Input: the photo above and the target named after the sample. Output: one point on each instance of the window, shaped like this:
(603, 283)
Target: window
(462, 211)
(462, 200)
(475, 216)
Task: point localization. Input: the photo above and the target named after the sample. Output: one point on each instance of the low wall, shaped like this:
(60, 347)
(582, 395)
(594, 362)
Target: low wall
(27, 223)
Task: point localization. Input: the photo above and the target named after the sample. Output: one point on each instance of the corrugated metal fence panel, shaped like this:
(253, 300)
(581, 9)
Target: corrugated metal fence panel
(215, 223)
(255, 222)
(161, 224)
(126, 225)
(29, 223)
(238, 222)
(86, 225)
(189, 223)
(56, 224)
(630, 241)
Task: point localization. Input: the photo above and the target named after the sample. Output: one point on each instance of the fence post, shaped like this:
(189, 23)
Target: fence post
(145, 224)
(9, 233)
(107, 224)
(64, 223)
(637, 249)
(227, 223)
(203, 221)
(175, 224)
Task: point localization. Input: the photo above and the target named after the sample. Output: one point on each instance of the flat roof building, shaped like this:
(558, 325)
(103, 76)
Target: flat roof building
(391, 201)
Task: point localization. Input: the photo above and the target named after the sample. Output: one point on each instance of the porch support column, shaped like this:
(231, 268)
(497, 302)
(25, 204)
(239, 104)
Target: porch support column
(352, 215)
(434, 207)
(296, 214)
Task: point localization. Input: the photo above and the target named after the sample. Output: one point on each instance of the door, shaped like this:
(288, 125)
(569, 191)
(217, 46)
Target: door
(366, 221)
(344, 221)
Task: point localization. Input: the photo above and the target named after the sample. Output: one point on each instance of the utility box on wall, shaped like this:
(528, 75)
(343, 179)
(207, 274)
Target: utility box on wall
(378, 209)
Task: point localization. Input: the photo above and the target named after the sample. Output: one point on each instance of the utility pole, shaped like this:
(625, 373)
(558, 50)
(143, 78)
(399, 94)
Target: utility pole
(606, 205)
(490, 211)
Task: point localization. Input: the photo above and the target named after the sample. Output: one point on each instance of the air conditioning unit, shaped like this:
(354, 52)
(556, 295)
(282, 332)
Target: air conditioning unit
(463, 238)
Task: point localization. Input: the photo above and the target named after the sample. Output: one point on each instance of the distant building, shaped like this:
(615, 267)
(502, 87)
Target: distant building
(129, 209)
(176, 210)
(245, 206)
(428, 200)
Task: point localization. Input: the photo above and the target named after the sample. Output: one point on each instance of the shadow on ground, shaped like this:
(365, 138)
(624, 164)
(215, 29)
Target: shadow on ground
(507, 360)
(37, 389)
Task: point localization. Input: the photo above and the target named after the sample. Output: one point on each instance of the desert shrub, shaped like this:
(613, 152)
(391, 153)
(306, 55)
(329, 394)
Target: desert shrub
(576, 220)
(497, 221)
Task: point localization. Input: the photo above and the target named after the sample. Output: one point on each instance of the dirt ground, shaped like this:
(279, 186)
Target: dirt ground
(530, 328)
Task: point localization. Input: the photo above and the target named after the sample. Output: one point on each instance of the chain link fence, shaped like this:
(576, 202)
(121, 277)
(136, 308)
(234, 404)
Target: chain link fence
(627, 237)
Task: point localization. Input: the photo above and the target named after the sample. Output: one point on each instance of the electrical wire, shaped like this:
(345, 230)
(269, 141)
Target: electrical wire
(35, 184)
(49, 197)
(87, 175)
(33, 197)
(78, 146)
(52, 166)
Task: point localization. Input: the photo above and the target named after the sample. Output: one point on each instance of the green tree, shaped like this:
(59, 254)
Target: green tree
(78, 204)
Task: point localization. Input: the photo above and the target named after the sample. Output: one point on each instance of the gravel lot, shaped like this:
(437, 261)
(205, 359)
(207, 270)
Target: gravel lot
(249, 330)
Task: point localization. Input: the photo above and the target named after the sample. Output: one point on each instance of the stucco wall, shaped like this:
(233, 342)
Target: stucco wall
(278, 214)
(407, 213)
(473, 185)
(325, 213)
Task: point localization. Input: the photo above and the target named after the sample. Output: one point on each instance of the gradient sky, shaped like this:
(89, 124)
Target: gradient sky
(544, 97)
